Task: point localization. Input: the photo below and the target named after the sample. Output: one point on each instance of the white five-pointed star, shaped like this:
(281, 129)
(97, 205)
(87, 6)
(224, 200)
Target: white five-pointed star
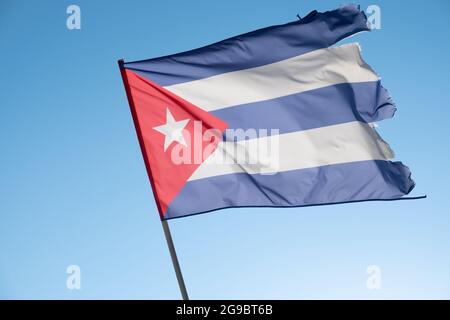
(173, 130)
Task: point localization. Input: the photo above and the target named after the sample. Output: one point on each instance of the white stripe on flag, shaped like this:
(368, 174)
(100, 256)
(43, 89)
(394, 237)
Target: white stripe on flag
(347, 142)
(312, 70)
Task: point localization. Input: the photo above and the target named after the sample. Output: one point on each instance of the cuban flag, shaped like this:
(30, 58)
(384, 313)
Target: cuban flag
(277, 117)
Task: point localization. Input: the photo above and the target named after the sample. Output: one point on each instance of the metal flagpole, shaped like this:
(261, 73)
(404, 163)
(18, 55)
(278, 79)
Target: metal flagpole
(165, 225)
(175, 263)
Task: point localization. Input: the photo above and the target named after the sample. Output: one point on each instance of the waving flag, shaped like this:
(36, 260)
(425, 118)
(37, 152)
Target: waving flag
(275, 117)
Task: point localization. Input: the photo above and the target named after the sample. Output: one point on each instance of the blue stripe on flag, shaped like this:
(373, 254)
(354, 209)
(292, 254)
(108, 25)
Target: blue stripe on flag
(346, 102)
(317, 30)
(354, 181)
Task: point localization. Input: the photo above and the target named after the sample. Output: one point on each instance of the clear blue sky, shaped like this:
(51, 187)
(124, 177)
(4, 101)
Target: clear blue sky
(73, 187)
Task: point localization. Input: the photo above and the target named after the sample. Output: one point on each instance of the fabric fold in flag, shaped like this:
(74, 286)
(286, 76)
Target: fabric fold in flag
(331, 184)
(233, 124)
(317, 30)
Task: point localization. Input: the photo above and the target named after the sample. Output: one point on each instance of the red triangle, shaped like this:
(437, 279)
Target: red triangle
(170, 169)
